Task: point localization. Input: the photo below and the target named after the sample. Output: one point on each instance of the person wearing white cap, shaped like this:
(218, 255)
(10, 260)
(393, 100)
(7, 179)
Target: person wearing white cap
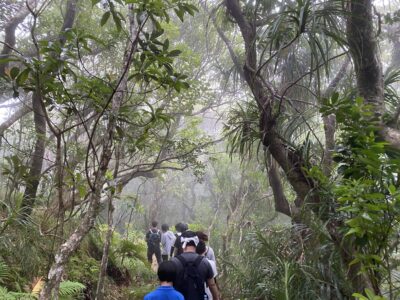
(193, 271)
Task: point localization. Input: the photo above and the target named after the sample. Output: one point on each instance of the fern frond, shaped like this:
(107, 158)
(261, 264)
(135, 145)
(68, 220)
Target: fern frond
(71, 288)
(4, 271)
(6, 295)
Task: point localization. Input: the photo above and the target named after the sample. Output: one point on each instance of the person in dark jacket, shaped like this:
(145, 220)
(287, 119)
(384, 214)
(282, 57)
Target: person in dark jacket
(193, 270)
(177, 248)
(153, 239)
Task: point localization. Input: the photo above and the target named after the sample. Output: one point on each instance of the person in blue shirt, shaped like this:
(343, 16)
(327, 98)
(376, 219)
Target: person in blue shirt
(166, 274)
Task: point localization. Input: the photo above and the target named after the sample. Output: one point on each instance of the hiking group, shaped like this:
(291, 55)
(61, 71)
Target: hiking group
(186, 265)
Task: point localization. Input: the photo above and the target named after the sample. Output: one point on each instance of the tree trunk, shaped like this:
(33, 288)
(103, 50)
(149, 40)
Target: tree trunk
(281, 202)
(36, 163)
(69, 20)
(363, 47)
(106, 250)
(40, 119)
(110, 230)
(73, 242)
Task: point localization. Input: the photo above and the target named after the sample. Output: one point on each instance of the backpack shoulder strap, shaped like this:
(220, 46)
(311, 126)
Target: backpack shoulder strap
(198, 260)
(182, 260)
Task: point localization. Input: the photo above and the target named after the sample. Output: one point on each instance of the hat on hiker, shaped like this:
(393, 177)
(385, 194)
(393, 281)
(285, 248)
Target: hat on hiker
(189, 238)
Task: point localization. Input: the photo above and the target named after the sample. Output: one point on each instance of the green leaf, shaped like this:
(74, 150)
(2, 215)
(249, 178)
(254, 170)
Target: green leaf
(354, 261)
(366, 216)
(355, 230)
(94, 2)
(23, 76)
(180, 13)
(376, 258)
(120, 132)
(105, 18)
(14, 72)
(392, 189)
(81, 190)
(359, 296)
(174, 53)
(117, 20)
(369, 293)
(109, 175)
(191, 9)
(359, 101)
(166, 45)
(335, 97)
(157, 33)
(6, 59)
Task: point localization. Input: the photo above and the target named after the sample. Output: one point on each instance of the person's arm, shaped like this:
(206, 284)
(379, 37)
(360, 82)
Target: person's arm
(210, 280)
(171, 241)
(163, 240)
(211, 254)
(213, 288)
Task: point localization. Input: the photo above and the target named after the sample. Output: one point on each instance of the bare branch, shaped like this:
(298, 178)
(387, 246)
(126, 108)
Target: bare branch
(21, 112)
(9, 31)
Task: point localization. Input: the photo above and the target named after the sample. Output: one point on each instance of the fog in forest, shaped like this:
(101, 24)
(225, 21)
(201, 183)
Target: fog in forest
(267, 131)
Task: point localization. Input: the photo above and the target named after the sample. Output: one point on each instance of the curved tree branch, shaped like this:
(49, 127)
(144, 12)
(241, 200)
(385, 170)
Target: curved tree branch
(21, 112)
(9, 32)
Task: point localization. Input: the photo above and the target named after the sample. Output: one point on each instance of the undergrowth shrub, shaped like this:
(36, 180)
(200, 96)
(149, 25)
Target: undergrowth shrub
(286, 263)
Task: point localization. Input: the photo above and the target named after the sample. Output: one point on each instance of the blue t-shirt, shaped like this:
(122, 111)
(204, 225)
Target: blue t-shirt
(164, 293)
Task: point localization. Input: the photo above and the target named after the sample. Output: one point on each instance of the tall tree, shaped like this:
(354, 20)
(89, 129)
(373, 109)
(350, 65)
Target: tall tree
(39, 113)
(271, 101)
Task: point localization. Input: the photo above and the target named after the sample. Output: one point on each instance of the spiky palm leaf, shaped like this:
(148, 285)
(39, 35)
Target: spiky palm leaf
(392, 97)
(319, 25)
(242, 129)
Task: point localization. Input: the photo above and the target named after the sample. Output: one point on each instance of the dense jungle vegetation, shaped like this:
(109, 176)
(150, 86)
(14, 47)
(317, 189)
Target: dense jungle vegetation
(271, 125)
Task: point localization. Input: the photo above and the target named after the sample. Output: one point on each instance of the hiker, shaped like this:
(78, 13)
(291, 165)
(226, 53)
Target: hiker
(177, 248)
(193, 270)
(209, 251)
(201, 250)
(153, 239)
(167, 241)
(166, 274)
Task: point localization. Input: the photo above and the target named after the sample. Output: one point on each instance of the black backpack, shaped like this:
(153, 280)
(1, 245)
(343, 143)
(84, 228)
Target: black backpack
(154, 238)
(190, 283)
(178, 245)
